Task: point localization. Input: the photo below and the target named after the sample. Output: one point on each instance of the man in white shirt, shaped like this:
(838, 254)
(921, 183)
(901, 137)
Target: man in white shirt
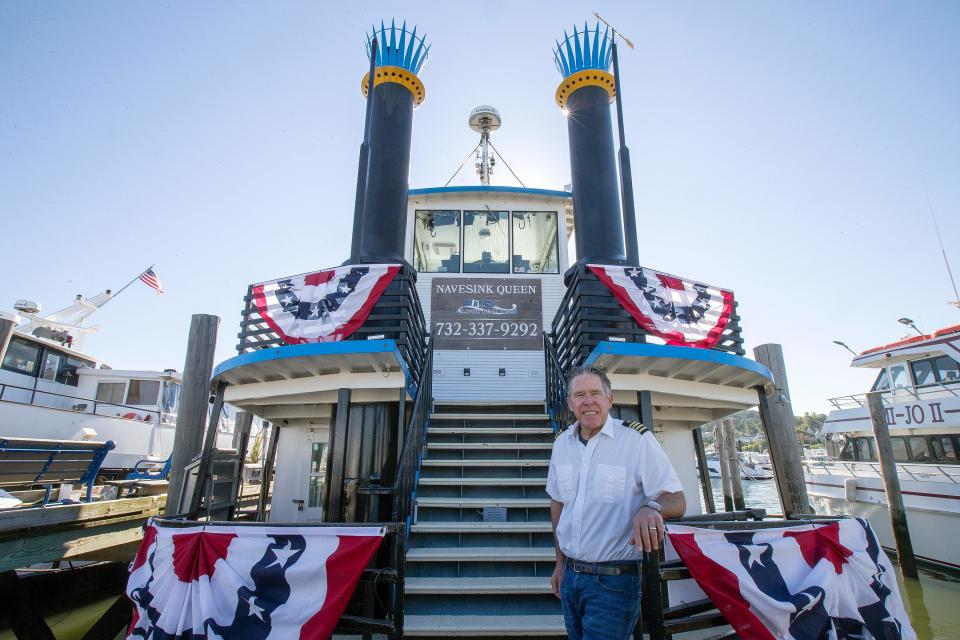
(610, 486)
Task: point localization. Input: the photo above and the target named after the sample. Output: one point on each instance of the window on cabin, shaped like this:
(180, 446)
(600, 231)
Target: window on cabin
(143, 392)
(67, 373)
(535, 242)
(864, 449)
(947, 369)
(436, 241)
(22, 356)
(486, 241)
(900, 452)
(919, 452)
(944, 450)
(848, 452)
(900, 378)
(882, 383)
(111, 392)
(51, 362)
(923, 372)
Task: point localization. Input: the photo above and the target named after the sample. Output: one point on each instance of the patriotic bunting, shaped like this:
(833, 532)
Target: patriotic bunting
(325, 306)
(682, 312)
(799, 583)
(245, 581)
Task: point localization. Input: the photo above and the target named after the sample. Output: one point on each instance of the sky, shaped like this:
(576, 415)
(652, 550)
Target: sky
(790, 151)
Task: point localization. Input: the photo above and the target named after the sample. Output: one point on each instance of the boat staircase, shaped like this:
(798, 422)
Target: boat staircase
(468, 575)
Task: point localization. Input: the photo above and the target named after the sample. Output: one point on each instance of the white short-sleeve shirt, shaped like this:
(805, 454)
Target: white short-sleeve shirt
(602, 485)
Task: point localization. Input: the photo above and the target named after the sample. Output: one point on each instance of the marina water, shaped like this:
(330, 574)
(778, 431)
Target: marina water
(932, 602)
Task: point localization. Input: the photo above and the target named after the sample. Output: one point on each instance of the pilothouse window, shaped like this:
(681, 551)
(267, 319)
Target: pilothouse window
(436, 241)
(486, 241)
(22, 356)
(535, 242)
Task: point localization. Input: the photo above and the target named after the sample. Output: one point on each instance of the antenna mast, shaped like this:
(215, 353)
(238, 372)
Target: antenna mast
(485, 119)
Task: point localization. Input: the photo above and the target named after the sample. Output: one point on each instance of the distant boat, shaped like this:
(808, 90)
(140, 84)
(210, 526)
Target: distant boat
(747, 471)
(919, 378)
(51, 389)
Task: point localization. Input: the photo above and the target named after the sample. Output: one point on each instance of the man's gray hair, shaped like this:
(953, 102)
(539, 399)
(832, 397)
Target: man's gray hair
(589, 369)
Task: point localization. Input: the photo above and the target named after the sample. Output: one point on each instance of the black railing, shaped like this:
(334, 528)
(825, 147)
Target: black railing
(556, 381)
(589, 314)
(397, 315)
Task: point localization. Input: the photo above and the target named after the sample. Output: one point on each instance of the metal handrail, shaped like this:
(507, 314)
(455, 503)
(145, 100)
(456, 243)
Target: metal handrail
(889, 396)
(857, 469)
(556, 389)
(415, 437)
(34, 391)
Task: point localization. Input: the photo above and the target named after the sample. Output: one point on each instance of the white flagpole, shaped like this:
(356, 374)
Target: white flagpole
(134, 280)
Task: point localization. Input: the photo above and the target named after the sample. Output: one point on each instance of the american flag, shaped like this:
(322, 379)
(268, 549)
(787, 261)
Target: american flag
(824, 581)
(149, 278)
(245, 582)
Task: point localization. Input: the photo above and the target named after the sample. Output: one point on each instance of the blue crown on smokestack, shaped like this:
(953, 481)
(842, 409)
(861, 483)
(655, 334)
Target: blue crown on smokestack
(400, 56)
(583, 59)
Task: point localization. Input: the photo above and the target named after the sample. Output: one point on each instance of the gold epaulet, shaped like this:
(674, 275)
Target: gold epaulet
(636, 426)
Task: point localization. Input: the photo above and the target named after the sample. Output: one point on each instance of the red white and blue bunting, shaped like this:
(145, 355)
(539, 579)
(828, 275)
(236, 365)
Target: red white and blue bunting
(799, 583)
(324, 306)
(682, 312)
(245, 581)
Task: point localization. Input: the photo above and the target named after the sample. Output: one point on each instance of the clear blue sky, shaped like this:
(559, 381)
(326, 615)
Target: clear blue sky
(779, 150)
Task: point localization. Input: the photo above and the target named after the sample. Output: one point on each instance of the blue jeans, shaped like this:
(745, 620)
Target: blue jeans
(599, 607)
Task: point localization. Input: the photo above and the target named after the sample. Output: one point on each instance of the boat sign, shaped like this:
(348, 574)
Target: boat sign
(914, 414)
(487, 313)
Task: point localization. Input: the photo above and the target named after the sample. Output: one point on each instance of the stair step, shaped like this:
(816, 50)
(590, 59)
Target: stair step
(489, 416)
(480, 554)
(427, 462)
(493, 482)
(505, 584)
(489, 445)
(478, 503)
(481, 527)
(491, 430)
(491, 626)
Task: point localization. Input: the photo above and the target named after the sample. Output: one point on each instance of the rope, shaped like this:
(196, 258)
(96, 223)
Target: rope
(507, 165)
(461, 165)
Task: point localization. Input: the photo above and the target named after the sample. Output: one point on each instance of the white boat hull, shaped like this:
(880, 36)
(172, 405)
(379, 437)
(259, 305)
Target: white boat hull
(933, 512)
(135, 440)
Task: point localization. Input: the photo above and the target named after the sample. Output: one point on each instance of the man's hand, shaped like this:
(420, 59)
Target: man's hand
(557, 578)
(647, 529)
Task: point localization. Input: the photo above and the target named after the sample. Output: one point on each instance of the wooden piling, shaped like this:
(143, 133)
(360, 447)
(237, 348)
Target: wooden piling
(891, 483)
(720, 444)
(780, 429)
(733, 464)
(194, 403)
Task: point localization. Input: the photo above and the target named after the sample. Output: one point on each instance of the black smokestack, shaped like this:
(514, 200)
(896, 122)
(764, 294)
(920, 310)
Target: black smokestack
(397, 90)
(585, 95)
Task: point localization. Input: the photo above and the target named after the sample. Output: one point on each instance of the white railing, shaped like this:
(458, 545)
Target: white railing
(906, 471)
(903, 394)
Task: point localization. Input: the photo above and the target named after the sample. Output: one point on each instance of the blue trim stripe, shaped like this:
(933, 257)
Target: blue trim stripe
(577, 53)
(488, 189)
(347, 347)
(643, 350)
